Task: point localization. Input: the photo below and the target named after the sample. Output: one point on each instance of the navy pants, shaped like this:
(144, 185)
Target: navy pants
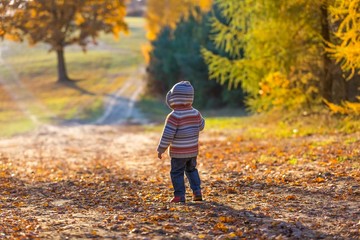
(179, 166)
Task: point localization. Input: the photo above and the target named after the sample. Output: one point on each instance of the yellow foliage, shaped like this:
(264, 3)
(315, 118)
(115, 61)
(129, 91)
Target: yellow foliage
(205, 5)
(12, 37)
(274, 47)
(277, 93)
(79, 19)
(166, 13)
(61, 23)
(146, 49)
(353, 107)
(347, 13)
(346, 108)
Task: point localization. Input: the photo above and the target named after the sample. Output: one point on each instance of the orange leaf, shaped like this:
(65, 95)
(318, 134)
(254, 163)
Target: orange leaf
(290, 197)
(221, 227)
(239, 233)
(319, 180)
(227, 219)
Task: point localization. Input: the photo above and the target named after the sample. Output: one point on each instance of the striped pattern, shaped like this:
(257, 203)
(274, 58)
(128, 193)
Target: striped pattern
(183, 124)
(182, 93)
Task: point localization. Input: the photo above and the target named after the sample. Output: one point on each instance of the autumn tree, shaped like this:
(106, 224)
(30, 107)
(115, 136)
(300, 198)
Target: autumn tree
(167, 13)
(60, 23)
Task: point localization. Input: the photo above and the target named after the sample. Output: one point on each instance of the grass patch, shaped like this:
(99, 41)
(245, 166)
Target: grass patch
(12, 120)
(271, 125)
(154, 109)
(277, 126)
(17, 126)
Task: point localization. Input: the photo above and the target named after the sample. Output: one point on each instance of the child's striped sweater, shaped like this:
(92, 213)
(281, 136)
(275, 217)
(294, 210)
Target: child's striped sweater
(183, 124)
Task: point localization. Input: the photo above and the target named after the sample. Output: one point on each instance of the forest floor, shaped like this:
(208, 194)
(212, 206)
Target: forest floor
(106, 182)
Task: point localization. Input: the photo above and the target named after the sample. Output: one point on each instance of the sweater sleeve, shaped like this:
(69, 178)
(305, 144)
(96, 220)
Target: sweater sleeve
(168, 133)
(202, 123)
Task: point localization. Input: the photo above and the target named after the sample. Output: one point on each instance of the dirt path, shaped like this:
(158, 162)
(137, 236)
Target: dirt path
(120, 106)
(106, 182)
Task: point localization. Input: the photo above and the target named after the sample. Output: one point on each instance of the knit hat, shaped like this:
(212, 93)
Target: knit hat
(181, 94)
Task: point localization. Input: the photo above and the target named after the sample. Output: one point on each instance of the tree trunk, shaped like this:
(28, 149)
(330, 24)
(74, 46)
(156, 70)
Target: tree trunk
(62, 73)
(353, 88)
(326, 83)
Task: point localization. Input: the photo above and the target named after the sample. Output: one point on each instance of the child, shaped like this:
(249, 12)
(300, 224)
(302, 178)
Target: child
(181, 133)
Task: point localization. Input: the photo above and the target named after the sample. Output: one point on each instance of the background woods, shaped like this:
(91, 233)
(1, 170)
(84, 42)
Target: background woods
(271, 49)
(285, 45)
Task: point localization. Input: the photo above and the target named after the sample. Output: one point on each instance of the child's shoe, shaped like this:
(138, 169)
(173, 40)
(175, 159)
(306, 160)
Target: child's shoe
(178, 199)
(197, 196)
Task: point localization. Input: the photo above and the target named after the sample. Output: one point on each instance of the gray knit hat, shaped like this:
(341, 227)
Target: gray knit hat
(181, 93)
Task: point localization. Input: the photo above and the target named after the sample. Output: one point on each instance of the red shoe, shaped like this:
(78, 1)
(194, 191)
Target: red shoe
(178, 199)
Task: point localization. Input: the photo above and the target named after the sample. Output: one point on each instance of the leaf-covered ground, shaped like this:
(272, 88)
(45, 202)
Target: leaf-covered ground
(106, 182)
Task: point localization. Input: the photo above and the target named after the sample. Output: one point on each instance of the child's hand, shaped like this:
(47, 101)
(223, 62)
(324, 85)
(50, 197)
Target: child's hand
(159, 155)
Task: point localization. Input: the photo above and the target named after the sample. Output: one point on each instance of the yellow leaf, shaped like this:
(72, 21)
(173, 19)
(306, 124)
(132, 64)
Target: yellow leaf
(232, 235)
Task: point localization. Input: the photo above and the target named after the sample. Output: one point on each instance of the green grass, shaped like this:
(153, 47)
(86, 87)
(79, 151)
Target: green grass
(130, 41)
(271, 125)
(16, 126)
(101, 70)
(12, 119)
(153, 109)
(276, 126)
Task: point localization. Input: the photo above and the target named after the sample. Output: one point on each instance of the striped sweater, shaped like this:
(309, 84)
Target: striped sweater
(183, 124)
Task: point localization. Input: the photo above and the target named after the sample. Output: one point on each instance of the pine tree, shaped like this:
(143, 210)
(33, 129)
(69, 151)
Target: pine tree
(176, 56)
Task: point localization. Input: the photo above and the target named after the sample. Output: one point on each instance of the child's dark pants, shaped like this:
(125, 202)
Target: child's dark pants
(178, 167)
